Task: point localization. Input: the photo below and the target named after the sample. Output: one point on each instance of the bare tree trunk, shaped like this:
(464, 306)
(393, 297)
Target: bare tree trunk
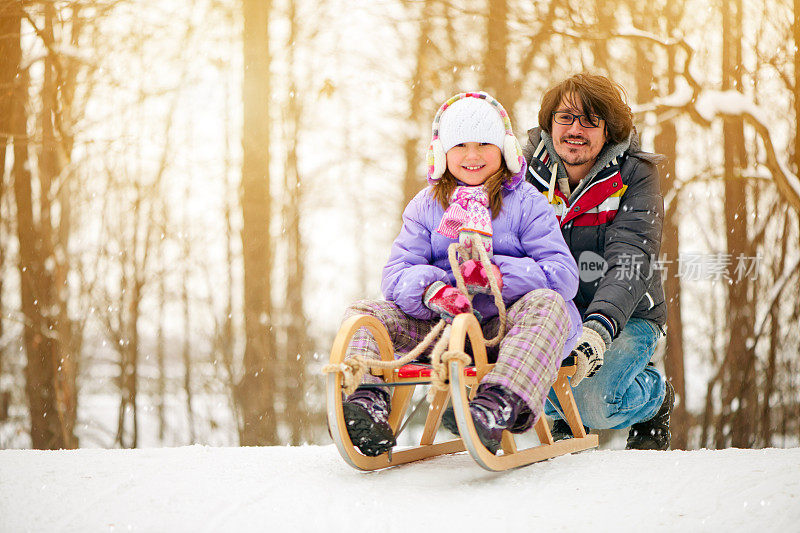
(133, 350)
(70, 331)
(141, 239)
(187, 332)
(256, 390)
(794, 373)
(605, 19)
(496, 78)
(40, 345)
(161, 384)
(55, 234)
(420, 90)
(227, 339)
(665, 142)
(122, 379)
(796, 32)
(739, 400)
(51, 425)
(670, 248)
(296, 333)
(9, 64)
(133, 264)
(796, 313)
(765, 421)
(293, 378)
(10, 55)
(4, 394)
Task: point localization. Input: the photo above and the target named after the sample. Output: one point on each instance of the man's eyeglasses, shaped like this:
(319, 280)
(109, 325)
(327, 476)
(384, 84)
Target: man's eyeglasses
(566, 119)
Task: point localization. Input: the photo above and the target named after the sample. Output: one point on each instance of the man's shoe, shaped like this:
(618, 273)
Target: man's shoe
(561, 430)
(366, 414)
(494, 409)
(653, 434)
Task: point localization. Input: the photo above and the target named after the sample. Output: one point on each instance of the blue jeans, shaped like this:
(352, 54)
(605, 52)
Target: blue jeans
(625, 390)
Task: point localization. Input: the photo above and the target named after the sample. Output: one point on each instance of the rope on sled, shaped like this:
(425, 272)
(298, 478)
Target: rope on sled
(440, 361)
(483, 257)
(354, 368)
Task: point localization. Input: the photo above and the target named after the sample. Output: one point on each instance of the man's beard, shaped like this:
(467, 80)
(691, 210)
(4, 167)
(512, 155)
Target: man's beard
(577, 163)
(582, 160)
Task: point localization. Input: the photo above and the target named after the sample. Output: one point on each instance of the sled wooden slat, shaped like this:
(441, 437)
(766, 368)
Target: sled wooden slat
(466, 326)
(543, 431)
(508, 443)
(400, 401)
(434, 417)
(463, 383)
(563, 392)
(497, 463)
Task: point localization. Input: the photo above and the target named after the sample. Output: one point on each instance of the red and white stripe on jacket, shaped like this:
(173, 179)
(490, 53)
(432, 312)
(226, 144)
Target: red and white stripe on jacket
(597, 204)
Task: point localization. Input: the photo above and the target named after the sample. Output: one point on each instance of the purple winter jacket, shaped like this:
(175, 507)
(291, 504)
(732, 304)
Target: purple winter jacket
(529, 250)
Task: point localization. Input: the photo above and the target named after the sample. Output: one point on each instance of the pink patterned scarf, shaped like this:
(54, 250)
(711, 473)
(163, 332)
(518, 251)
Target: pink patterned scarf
(468, 214)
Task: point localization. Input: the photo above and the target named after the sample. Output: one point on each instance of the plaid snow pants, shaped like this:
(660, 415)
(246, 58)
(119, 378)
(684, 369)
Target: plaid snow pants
(527, 358)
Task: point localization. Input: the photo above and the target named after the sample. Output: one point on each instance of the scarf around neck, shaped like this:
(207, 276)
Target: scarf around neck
(468, 214)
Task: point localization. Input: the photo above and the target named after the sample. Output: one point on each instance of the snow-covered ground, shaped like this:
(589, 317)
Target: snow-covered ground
(311, 489)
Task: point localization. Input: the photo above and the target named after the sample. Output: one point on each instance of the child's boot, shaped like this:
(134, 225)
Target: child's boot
(366, 414)
(494, 409)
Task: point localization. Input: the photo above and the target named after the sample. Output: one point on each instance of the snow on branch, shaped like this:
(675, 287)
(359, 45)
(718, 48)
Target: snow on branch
(702, 105)
(706, 105)
(724, 104)
(730, 103)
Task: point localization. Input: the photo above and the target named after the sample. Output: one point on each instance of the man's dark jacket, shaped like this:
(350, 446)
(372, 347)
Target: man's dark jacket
(616, 212)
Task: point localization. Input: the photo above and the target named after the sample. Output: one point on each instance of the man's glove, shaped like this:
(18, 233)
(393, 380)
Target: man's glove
(476, 279)
(589, 352)
(446, 300)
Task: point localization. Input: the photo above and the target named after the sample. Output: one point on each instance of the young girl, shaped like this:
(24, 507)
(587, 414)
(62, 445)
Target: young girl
(476, 182)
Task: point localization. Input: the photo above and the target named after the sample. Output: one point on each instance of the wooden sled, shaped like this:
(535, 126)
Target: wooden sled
(461, 378)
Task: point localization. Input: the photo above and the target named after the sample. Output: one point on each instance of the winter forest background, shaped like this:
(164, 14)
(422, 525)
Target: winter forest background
(193, 192)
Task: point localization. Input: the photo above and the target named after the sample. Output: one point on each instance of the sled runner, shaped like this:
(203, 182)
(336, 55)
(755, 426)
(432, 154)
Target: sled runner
(461, 382)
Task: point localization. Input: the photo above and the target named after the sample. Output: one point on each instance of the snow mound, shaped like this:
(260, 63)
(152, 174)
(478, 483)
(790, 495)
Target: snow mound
(311, 489)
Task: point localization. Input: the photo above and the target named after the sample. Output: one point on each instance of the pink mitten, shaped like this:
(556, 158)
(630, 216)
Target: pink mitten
(476, 279)
(446, 300)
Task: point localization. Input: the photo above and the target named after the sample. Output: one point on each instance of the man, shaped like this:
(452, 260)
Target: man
(585, 158)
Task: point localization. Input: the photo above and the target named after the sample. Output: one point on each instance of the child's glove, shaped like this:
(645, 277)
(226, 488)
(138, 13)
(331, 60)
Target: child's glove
(476, 279)
(446, 300)
(592, 344)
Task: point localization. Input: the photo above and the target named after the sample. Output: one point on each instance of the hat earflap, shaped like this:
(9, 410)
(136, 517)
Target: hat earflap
(512, 151)
(437, 160)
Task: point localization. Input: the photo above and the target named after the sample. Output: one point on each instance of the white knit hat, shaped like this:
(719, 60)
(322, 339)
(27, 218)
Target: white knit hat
(473, 117)
(471, 120)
